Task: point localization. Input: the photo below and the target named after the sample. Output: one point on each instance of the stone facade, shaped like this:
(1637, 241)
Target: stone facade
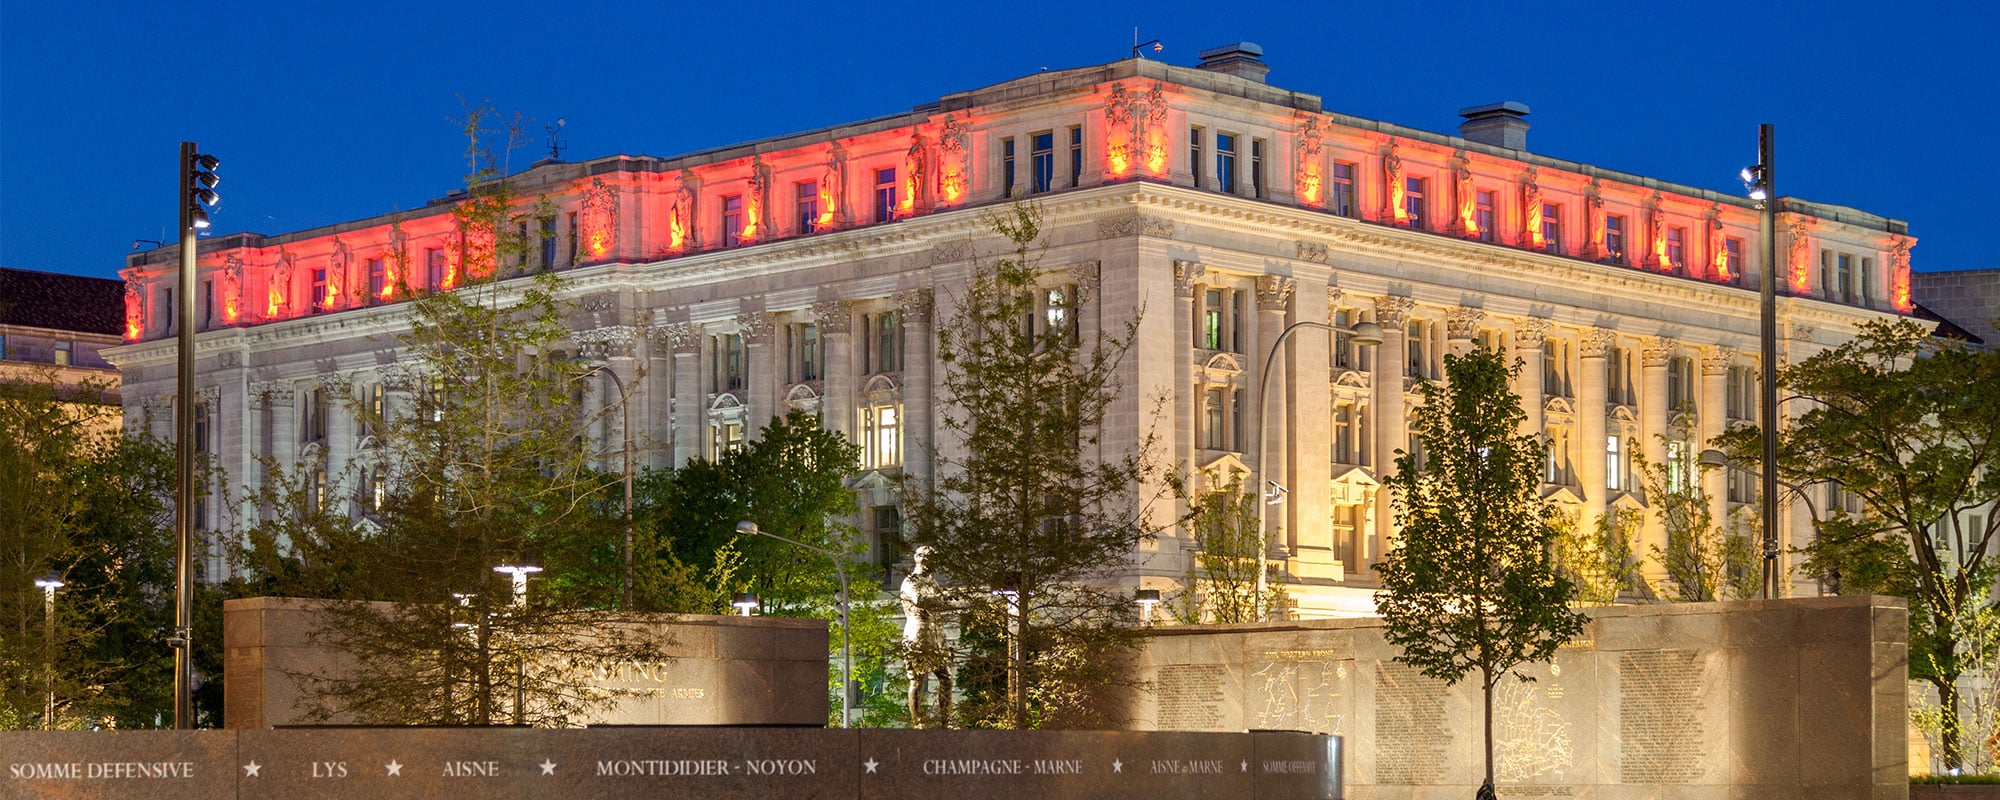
(809, 271)
(1968, 298)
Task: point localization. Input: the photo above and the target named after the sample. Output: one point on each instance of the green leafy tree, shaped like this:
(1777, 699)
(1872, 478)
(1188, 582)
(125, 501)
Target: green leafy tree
(1910, 424)
(1222, 583)
(1035, 507)
(1472, 588)
(1600, 563)
(1701, 561)
(482, 467)
(82, 502)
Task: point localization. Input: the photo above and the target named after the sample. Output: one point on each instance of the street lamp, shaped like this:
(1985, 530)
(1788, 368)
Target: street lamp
(1366, 334)
(1147, 599)
(1717, 458)
(745, 603)
(624, 407)
(1759, 182)
(197, 180)
(520, 573)
(748, 528)
(49, 586)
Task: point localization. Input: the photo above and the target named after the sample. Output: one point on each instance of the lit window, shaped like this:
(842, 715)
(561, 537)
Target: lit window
(807, 193)
(1225, 162)
(1413, 201)
(1614, 465)
(321, 299)
(1734, 258)
(732, 220)
(1677, 248)
(1614, 238)
(1211, 320)
(1044, 162)
(1552, 231)
(882, 436)
(1056, 310)
(726, 437)
(1482, 214)
(434, 267)
(377, 279)
(885, 194)
(64, 353)
(1341, 199)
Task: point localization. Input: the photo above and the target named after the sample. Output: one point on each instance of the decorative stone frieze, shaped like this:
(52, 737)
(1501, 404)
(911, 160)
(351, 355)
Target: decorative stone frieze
(1530, 332)
(1393, 312)
(951, 250)
(756, 327)
(1188, 275)
(833, 317)
(1134, 225)
(1716, 360)
(1314, 252)
(915, 305)
(1463, 322)
(1085, 274)
(1274, 292)
(1595, 342)
(1657, 350)
(681, 337)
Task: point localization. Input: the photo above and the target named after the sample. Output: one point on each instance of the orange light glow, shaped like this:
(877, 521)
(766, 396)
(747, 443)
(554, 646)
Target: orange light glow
(677, 230)
(1392, 176)
(953, 185)
(752, 210)
(1899, 277)
(829, 202)
(1535, 237)
(388, 280)
(332, 297)
(1718, 265)
(276, 303)
(1118, 158)
(1309, 186)
(1660, 258)
(1156, 152)
(908, 202)
(132, 329)
(1801, 276)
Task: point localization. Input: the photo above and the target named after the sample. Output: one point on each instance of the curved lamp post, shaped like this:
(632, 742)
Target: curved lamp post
(1717, 458)
(748, 528)
(624, 407)
(1366, 334)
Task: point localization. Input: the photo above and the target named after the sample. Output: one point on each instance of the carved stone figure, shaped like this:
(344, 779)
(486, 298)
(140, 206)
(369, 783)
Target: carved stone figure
(923, 641)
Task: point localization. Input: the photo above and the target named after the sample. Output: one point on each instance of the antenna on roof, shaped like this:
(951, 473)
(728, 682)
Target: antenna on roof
(555, 143)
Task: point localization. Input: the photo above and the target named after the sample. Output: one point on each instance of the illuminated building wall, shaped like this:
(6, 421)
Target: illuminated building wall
(1223, 206)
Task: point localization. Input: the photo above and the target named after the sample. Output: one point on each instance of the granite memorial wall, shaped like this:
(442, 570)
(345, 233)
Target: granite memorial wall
(717, 670)
(1788, 699)
(767, 763)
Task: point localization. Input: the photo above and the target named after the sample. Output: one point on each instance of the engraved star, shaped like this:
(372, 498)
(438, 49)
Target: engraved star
(1117, 766)
(1246, 766)
(871, 764)
(250, 769)
(394, 768)
(548, 767)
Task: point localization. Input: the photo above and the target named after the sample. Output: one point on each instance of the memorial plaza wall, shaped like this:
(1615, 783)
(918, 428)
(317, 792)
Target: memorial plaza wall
(714, 670)
(1799, 698)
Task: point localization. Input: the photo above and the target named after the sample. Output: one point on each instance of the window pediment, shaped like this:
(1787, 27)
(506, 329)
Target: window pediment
(1225, 365)
(1351, 379)
(1563, 495)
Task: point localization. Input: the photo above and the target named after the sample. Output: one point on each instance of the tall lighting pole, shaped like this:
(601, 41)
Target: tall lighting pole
(197, 189)
(1366, 334)
(1762, 189)
(625, 406)
(49, 585)
(519, 573)
(748, 528)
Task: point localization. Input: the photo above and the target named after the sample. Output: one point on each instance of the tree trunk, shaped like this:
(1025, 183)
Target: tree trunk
(1486, 681)
(1017, 658)
(1948, 723)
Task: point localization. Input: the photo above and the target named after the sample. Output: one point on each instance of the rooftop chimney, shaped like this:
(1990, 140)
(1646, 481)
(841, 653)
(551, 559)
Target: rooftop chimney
(1498, 124)
(1241, 59)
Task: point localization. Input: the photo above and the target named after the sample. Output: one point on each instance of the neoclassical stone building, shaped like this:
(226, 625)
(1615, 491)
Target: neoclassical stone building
(808, 270)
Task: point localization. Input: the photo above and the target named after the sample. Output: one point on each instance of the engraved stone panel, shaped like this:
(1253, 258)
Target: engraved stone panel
(1191, 697)
(1412, 740)
(1663, 719)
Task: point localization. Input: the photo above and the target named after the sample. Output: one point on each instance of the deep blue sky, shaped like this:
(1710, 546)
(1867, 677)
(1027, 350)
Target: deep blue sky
(324, 112)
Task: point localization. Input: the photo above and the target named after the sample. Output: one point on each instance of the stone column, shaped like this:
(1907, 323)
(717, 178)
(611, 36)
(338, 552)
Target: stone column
(915, 309)
(688, 407)
(1653, 414)
(1462, 329)
(1274, 292)
(1590, 425)
(1714, 420)
(1187, 398)
(1309, 405)
(760, 373)
(1529, 334)
(836, 335)
(1393, 314)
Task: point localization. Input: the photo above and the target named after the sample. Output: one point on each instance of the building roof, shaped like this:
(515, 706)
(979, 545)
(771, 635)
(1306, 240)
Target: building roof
(61, 302)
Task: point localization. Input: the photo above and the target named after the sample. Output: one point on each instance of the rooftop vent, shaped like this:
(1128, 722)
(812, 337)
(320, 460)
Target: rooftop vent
(1241, 59)
(1498, 124)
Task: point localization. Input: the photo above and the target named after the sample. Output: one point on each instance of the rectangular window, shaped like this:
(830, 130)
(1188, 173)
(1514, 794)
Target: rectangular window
(1215, 417)
(434, 267)
(1552, 229)
(1007, 167)
(520, 241)
(1257, 189)
(732, 220)
(885, 194)
(1482, 214)
(807, 203)
(1844, 279)
(1867, 281)
(1043, 162)
(1740, 393)
(728, 438)
(1614, 465)
(1344, 434)
(574, 239)
(1211, 320)
(1195, 137)
(1614, 238)
(204, 305)
(882, 436)
(1615, 389)
(313, 417)
(1056, 312)
(1413, 201)
(1341, 199)
(548, 243)
(321, 298)
(1677, 248)
(1225, 162)
(1826, 273)
(65, 354)
(1733, 258)
(805, 353)
(1075, 155)
(378, 278)
(729, 362)
(1680, 384)
(886, 334)
(1418, 359)
(1343, 343)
